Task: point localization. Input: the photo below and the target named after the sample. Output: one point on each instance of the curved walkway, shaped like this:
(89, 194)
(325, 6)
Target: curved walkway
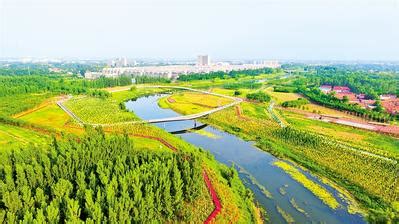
(170, 119)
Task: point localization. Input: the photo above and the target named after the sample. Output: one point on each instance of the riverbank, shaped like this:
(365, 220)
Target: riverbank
(369, 191)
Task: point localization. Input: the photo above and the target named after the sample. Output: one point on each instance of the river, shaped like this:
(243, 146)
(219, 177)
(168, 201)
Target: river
(254, 164)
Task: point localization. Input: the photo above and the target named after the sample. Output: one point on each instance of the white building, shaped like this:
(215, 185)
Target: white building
(203, 60)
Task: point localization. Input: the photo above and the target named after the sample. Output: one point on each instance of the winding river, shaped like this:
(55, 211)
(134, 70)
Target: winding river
(255, 167)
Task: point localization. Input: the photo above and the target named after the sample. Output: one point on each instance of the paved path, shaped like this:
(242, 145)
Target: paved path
(171, 119)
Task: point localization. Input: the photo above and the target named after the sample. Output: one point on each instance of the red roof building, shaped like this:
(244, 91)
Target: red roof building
(341, 89)
(325, 88)
(391, 106)
(387, 97)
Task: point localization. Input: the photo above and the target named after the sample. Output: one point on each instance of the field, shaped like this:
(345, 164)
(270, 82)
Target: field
(14, 137)
(106, 111)
(11, 105)
(368, 139)
(192, 103)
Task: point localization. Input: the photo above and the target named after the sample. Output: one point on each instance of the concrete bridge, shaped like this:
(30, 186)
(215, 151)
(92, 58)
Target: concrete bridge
(161, 120)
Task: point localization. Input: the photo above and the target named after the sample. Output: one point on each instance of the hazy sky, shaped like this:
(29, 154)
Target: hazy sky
(224, 29)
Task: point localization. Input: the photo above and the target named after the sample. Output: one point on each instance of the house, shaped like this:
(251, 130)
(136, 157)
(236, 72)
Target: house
(391, 106)
(341, 89)
(325, 88)
(387, 97)
(361, 96)
(351, 96)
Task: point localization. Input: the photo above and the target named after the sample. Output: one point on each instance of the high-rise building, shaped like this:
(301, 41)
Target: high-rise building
(119, 62)
(203, 60)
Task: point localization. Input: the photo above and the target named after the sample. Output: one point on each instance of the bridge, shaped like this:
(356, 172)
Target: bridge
(160, 120)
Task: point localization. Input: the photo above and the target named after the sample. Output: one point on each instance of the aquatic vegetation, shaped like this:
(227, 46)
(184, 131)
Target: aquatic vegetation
(299, 209)
(282, 191)
(206, 133)
(286, 216)
(253, 180)
(316, 189)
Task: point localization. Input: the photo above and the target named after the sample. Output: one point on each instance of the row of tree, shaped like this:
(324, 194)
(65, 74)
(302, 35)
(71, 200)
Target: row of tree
(329, 100)
(96, 179)
(295, 103)
(11, 85)
(225, 75)
(243, 85)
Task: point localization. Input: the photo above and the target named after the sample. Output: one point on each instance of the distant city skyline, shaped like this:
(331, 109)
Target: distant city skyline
(224, 30)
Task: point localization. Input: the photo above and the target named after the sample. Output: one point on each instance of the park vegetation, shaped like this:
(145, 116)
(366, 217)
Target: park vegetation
(97, 179)
(224, 75)
(243, 85)
(22, 84)
(295, 103)
(329, 100)
(259, 96)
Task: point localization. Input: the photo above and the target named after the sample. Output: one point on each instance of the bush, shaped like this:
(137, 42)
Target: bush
(259, 96)
(295, 103)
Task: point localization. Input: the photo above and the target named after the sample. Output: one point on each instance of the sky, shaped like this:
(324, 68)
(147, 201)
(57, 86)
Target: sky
(182, 29)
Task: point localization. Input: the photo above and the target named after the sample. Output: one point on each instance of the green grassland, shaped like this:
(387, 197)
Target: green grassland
(12, 137)
(379, 143)
(192, 103)
(10, 105)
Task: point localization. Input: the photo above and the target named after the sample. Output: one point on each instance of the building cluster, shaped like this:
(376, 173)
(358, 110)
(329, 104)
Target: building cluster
(203, 65)
(389, 102)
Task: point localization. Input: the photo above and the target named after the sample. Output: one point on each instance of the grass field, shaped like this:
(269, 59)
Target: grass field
(354, 136)
(106, 111)
(192, 103)
(11, 105)
(15, 137)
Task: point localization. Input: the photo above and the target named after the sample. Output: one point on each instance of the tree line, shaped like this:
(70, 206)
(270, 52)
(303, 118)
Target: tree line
(225, 75)
(331, 101)
(96, 179)
(12, 85)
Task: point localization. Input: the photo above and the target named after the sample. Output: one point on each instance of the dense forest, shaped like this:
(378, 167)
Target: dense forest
(224, 75)
(96, 179)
